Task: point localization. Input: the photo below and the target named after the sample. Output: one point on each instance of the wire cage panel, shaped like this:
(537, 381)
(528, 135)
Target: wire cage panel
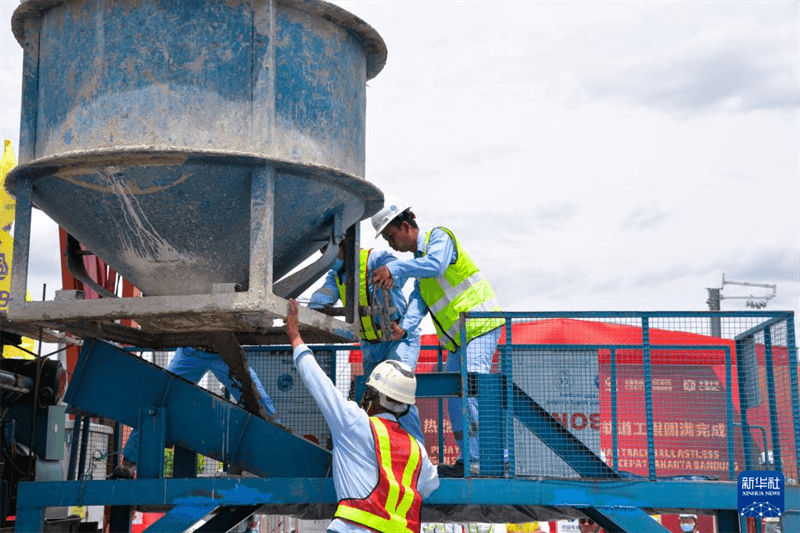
(275, 370)
(636, 395)
(564, 383)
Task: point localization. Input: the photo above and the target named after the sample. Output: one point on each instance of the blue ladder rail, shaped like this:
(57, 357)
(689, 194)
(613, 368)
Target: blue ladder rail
(112, 383)
(558, 438)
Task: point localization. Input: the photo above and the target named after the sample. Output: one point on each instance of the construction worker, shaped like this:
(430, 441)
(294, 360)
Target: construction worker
(447, 283)
(688, 523)
(381, 473)
(191, 364)
(403, 345)
(587, 525)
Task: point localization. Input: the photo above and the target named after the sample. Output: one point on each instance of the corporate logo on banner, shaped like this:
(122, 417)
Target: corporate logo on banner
(761, 493)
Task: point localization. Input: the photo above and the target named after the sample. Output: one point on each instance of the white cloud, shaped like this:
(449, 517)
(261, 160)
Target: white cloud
(591, 155)
(737, 65)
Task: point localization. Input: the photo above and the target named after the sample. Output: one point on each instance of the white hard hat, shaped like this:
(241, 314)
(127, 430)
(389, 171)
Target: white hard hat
(684, 515)
(396, 380)
(392, 207)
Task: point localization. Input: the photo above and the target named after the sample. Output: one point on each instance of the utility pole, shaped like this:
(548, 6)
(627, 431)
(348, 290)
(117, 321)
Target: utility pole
(757, 302)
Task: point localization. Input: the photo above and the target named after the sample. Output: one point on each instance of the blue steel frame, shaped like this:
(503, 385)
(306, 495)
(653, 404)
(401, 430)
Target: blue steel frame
(191, 499)
(619, 504)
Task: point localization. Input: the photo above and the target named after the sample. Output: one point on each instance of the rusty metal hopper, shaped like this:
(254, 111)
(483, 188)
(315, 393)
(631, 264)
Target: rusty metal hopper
(202, 149)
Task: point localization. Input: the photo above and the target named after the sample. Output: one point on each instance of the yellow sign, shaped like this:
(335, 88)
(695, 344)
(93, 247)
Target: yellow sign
(7, 205)
(7, 202)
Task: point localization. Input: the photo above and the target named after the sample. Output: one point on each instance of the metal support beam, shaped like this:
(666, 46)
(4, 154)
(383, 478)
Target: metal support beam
(558, 438)
(120, 519)
(229, 349)
(73, 447)
(617, 500)
(774, 427)
(87, 422)
(262, 225)
(227, 518)
(352, 261)
(183, 516)
(439, 385)
(727, 521)
(295, 284)
(152, 440)
(238, 438)
(491, 430)
(184, 463)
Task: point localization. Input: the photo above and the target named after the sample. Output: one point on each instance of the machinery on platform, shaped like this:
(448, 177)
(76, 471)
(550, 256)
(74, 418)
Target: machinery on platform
(31, 425)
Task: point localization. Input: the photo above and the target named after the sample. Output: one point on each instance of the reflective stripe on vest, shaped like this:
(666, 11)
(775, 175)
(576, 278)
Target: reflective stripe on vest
(368, 328)
(462, 288)
(393, 505)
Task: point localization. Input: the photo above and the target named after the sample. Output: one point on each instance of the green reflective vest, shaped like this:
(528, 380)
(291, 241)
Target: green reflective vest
(369, 331)
(462, 288)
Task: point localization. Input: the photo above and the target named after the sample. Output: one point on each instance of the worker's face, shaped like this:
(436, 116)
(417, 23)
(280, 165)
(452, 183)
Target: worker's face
(688, 524)
(588, 526)
(400, 239)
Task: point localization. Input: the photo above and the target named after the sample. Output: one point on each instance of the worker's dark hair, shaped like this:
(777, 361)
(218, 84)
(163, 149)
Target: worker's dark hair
(405, 216)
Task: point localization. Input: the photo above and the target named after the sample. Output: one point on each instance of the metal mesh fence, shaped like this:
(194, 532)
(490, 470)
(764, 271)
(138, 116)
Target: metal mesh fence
(649, 395)
(596, 395)
(275, 370)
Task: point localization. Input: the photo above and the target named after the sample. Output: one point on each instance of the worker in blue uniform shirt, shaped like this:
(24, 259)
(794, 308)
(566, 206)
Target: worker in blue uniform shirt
(447, 284)
(381, 473)
(404, 343)
(192, 364)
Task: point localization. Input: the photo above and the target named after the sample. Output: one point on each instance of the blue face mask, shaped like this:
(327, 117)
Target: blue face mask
(337, 264)
(687, 527)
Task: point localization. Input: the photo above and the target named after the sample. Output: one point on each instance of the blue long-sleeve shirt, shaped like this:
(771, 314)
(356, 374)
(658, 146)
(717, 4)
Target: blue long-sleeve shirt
(410, 319)
(355, 463)
(441, 254)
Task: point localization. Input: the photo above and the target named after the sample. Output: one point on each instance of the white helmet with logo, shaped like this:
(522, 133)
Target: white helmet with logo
(392, 208)
(396, 380)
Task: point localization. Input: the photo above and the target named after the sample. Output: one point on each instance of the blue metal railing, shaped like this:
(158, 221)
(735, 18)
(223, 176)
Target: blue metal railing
(731, 422)
(739, 326)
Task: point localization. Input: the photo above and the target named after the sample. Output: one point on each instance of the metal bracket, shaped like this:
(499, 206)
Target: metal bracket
(76, 267)
(293, 285)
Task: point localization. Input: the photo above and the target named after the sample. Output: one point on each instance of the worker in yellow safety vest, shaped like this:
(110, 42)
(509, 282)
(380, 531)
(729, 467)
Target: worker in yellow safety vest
(404, 343)
(448, 283)
(381, 473)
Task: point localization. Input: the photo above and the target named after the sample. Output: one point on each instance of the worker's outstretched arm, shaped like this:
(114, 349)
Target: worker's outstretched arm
(440, 254)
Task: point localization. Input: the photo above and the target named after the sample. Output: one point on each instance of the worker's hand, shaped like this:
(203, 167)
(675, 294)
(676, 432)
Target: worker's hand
(397, 332)
(292, 326)
(382, 278)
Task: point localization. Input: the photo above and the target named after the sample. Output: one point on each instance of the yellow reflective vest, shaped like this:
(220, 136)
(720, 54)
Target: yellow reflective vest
(369, 332)
(463, 288)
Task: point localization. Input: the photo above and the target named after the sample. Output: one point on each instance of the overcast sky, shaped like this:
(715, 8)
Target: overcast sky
(590, 156)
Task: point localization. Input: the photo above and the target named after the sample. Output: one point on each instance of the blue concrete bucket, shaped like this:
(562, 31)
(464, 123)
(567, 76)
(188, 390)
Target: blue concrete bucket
(168, 135)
